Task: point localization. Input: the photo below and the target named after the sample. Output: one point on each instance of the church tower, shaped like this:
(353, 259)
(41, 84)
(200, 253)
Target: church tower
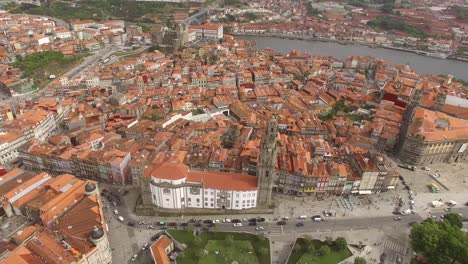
(266, 165)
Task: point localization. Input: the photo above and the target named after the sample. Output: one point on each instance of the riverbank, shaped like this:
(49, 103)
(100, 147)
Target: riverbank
(350, 42)
(417, 62)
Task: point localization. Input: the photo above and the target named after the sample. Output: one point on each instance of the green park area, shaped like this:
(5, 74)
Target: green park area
(69, 10)
(222, 247)
(311, 251)
(388, 24)
(41, 65)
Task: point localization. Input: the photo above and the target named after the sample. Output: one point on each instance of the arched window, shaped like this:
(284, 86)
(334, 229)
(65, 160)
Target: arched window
(166, 191)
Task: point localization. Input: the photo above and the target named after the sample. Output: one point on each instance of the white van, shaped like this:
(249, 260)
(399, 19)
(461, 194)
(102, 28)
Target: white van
(303, 217)
(120, 218)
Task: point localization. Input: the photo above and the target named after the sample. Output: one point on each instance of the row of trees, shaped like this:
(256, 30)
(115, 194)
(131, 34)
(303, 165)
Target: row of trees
(441, 242)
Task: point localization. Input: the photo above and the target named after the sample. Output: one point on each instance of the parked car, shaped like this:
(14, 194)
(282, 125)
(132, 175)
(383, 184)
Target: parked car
(261, 219)
(116, 212)
(253, 220)
(131, 223)
(172, 224)
(281, 222)
(208, 221)
(183, 224)
(236, 220)
(397, 218)
(252, 223)
(237, 224)
(299, 224)
(144, 247)
(227, 220)
(258, 228)
(120, 218)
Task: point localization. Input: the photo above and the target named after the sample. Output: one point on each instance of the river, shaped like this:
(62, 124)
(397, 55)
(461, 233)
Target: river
(419, 63)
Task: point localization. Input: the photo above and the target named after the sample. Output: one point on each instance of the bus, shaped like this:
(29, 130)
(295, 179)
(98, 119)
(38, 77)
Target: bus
(434, 188)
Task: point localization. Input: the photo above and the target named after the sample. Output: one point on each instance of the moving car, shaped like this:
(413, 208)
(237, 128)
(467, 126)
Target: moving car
(397, 218)
(134, 257)
(258, 228)
(316, 218)
(116, 212)
(237, 224)
(299, 224)
(120, 218)
(281, 222)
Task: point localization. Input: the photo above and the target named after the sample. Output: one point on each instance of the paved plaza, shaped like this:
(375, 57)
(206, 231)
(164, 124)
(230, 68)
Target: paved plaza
(361, 219)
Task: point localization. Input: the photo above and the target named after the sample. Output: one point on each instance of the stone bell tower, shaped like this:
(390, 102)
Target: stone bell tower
(266, 165)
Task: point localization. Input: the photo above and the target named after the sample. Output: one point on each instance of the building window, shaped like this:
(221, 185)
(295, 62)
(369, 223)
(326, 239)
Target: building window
(166, 191)
(206, 204)
(198, 200)
(189, 200)
(195, 190)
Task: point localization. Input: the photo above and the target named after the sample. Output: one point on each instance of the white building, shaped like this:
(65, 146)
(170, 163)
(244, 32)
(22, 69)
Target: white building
(38, 124)
(9, 144)
(63, 33)
(212, 31)
(174, 186)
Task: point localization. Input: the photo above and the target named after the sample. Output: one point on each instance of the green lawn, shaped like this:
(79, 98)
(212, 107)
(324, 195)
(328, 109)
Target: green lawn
(242, 247)
(305, 252)
(227, 252)
(332, 258)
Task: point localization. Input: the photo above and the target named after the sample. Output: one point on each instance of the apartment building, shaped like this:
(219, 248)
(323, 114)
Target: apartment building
(435, 137)
(70, 225)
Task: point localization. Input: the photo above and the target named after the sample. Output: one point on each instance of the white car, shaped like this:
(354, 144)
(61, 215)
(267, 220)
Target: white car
(116, 212)
(134, 257)
(258, 228)
(237, 224)
(144, 247)
(227, 220)
(216, 221)
(120, 218)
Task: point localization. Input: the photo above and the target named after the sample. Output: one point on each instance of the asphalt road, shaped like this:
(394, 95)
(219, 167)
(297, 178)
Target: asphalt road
(100, 54)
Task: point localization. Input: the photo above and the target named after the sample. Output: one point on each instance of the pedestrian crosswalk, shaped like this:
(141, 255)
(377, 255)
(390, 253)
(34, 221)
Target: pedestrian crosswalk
(394, 245)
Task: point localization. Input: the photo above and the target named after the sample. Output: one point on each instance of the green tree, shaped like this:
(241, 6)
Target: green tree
(440, 242)
(340, 244)
(454, 219)
(324, 250)
(360, 260)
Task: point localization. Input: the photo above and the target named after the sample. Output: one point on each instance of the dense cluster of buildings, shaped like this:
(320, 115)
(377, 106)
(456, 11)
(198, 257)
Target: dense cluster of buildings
(208, 110)
(193, 129)
(62, 218)
(26, 34)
